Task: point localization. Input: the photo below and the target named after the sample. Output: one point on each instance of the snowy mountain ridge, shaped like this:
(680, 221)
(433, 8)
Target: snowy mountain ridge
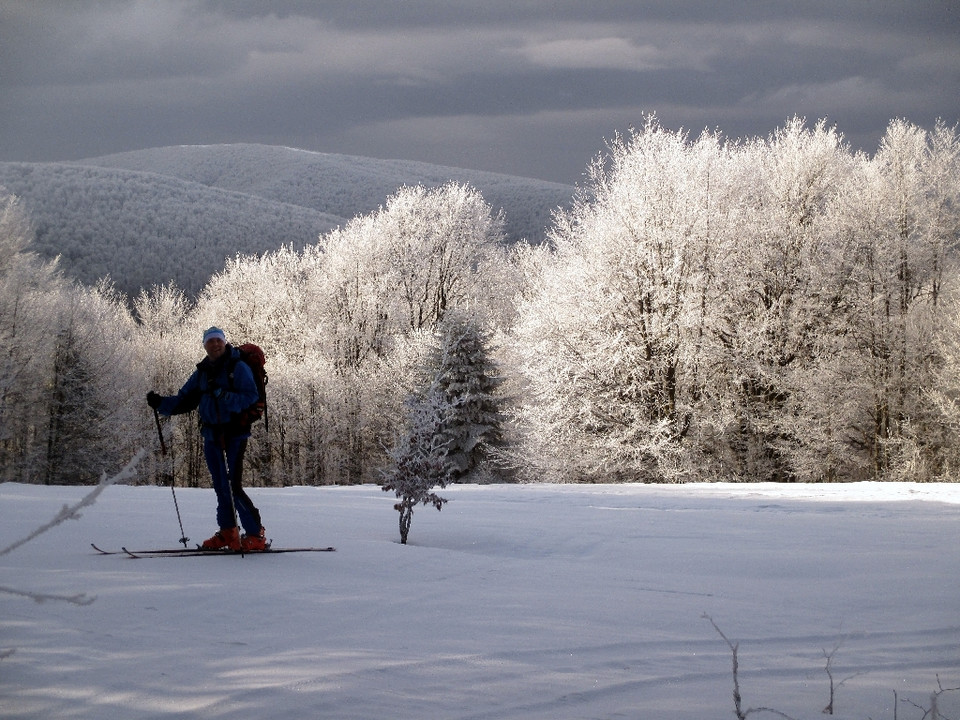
(177, 213)
(342, 185)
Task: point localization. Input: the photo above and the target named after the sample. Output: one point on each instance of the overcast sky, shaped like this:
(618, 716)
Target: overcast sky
(524, 87)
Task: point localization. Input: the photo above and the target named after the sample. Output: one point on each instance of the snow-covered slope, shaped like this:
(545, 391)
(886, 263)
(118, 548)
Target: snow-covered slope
(143, 229)
(343, 185)
(176, 213)
(532, 602)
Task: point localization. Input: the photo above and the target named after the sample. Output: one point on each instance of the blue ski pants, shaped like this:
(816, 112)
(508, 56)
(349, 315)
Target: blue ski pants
(225, 462)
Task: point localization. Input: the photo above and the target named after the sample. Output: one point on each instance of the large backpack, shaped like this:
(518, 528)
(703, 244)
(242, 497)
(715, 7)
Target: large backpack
(255, 358)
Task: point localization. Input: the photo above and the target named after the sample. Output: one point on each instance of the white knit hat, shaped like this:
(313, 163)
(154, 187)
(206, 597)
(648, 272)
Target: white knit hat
(213, 332)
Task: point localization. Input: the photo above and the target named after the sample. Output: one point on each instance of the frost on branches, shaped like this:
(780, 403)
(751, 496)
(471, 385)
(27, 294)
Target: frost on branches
(419, 460)
(450, 425)
(763, 309)
(469, 383)
(760, 310)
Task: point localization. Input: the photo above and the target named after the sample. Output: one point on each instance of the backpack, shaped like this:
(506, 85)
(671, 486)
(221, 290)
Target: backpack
(256, 360)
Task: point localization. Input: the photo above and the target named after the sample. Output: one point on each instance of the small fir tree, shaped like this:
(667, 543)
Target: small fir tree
(419, 460)
(468, 382)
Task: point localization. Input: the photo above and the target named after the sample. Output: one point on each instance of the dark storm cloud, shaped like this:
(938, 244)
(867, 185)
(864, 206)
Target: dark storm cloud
(529, 87)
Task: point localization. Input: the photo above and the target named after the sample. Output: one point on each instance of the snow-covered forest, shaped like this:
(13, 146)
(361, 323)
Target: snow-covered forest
(176, 213)
(135, 227)
(765, 309)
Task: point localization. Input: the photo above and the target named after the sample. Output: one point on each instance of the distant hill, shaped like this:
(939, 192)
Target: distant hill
(177, 213)
(143, 229)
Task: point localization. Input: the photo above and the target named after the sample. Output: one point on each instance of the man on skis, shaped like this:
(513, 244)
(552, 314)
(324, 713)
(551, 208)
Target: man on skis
(221, 388)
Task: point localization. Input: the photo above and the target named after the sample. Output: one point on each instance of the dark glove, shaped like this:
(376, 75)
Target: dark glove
(154, 400)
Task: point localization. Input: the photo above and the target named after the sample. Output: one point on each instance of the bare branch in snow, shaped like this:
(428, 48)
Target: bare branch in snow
(78, 599)
(71, 512)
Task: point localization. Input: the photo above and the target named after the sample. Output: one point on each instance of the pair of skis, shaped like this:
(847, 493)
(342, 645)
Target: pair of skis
(196, 552)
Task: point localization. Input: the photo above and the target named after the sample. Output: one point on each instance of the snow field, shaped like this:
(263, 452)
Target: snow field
(519, 602)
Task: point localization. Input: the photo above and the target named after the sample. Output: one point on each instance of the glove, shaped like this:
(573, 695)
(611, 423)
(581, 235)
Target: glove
(154, 400)
(216, 391)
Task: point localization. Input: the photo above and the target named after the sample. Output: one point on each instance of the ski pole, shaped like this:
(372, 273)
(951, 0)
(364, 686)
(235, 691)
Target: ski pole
(163, 445)
(183, 536)
(163, 449)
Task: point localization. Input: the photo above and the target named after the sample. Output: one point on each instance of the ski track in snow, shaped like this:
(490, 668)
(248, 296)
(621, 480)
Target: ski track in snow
(514, 602)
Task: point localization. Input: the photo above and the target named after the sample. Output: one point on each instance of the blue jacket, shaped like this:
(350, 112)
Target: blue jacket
(219, 391)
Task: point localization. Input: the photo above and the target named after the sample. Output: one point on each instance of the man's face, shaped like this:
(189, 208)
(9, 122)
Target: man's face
(214, 348)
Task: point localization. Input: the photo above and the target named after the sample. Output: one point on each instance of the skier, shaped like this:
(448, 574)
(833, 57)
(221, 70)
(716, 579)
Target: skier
(222, 387)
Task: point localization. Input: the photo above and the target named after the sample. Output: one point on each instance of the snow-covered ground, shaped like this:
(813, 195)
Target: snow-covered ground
(514, 602)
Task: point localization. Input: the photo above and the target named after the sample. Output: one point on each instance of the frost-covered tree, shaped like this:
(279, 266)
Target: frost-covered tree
(401, 269)
(167, 339)
(344, 324)
(29, 292)
(419, 459)
(615, 333)
(92, 389)
(784, 282)
(435, 242)
(905, 219)
(383, 279)
(258, 298)
(65, 375)
(763, 309)
(353, 300)
(71, 399)
(759, 310)
(467, 378)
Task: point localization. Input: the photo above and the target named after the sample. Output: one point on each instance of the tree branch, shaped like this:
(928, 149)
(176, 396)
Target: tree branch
(72, 512)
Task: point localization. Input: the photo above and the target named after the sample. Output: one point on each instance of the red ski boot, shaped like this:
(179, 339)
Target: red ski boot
(223, 539)
(254, 543)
